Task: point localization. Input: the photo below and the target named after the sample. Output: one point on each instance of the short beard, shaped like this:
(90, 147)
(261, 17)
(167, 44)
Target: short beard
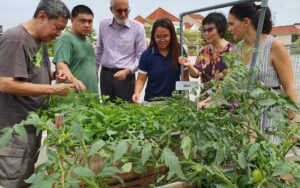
(120, 21)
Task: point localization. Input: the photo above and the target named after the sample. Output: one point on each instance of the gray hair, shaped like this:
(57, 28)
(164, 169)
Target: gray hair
(53, 8)
(112, 3)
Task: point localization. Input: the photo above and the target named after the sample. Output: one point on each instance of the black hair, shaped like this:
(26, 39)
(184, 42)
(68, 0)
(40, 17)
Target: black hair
(174, 46)
(252, 11)
(219, 20)
(53, 8)
(81, 9)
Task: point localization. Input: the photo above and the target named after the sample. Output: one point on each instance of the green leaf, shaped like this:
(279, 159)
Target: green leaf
(171, 160)
(146, 153)
(44, 184)
(281, 169)
(221, 152)
(194, 91)
(77, 130)
(63, 107)
(73, 182)
(96, 147)
(109, 171)
(120, 149)
(111, 133)
(139, 169)
(256, 92)
(33, 119)
(297, 180)
(141, 136)
(266, 102)
(6, 136)
(209, 169)
(186, 146)
(242, 160)
(83, 171)
(20, 130)
(35, 178)
(134, 145)
(243, 180)
(291, 106)
(222, 186)
(126, 167)
(223, 100)
(252, 153)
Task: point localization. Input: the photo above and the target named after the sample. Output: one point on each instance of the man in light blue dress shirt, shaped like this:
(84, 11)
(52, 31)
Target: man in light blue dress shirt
(119, 47)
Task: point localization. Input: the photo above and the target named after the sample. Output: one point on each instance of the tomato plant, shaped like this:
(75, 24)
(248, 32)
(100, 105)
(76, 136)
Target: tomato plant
(221, 146)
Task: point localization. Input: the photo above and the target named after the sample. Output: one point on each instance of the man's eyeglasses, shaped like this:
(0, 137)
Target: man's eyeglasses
(208, 30)
(162, 37)
(120, 11)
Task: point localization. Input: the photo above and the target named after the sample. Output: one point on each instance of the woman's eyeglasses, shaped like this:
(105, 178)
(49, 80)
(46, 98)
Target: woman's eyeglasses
(208, 30)
(162, 37)
(120, 11)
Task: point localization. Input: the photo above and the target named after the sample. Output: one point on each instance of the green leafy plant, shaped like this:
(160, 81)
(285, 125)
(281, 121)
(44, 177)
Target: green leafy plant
(221, 146)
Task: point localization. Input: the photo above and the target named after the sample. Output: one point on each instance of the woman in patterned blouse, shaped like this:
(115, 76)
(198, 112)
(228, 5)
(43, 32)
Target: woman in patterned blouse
(209, 64)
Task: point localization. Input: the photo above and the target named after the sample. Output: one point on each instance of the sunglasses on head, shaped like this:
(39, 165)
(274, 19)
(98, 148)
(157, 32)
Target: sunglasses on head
(208, 30)
(120, 11)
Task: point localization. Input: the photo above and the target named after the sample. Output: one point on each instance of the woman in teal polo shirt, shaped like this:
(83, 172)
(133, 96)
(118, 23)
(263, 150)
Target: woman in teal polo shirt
(159, 63)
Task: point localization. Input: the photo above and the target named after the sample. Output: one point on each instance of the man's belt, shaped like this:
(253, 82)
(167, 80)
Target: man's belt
(113, 70)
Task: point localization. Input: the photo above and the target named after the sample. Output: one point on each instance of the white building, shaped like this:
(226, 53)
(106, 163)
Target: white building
(194, 20)
(287, 34)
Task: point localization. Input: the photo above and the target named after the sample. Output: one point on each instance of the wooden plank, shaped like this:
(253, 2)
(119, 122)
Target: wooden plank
(291, 156)
(178, 185)
(135, 180)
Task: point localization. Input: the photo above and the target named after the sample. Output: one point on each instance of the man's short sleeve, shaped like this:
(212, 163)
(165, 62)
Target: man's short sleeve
(62, 51)
(13, 60)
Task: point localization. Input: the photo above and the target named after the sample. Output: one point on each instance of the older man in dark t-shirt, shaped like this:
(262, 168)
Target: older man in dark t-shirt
(25, 78)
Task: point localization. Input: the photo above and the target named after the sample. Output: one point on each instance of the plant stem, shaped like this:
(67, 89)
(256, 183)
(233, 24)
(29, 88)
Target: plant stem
(85, 152)
(62, 172)
(255, 128)
(90, 183)
(218, 174)
(226, 180)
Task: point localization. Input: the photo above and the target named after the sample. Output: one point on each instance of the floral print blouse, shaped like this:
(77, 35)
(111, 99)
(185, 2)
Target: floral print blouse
(211, 66)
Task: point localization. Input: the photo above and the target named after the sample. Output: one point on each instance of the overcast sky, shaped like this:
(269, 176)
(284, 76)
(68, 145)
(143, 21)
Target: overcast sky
(14, 12)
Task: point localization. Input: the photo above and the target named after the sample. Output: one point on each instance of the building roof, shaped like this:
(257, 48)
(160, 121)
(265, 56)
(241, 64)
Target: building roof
(196, 16)
(188, 26)
(288, 29)
(297, 25)
(140, 19)
(161, 13)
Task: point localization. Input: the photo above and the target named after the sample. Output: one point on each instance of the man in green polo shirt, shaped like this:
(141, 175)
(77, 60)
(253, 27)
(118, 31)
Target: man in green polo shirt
(74, 52)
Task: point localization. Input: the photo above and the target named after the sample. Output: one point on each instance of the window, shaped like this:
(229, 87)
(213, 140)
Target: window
(295, 38)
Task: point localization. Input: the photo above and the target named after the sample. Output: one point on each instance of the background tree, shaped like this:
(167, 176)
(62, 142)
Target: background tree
(51, 45)
(193, 41)
(295, 48)
(148, 27)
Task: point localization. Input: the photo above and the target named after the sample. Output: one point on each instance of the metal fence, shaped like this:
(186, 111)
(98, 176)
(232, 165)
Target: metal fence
(294, 51)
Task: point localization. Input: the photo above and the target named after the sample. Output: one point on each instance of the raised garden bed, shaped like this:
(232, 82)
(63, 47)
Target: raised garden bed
(131, 138)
